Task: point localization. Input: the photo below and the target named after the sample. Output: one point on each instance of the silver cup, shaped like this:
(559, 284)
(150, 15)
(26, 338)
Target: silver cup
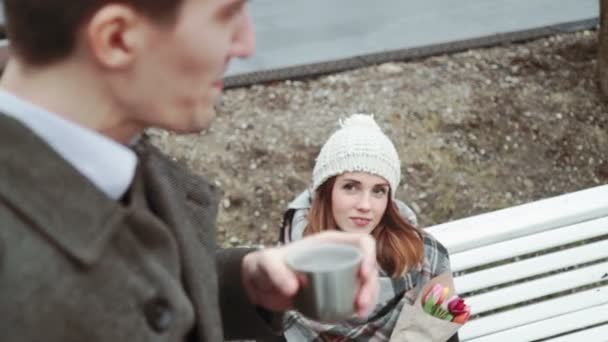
(330, 272)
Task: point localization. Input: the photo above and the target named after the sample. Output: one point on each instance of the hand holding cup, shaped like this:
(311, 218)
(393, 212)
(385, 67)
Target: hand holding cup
(269, 282)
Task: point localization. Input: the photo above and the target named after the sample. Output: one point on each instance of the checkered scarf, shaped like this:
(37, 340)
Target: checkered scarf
(394, 292)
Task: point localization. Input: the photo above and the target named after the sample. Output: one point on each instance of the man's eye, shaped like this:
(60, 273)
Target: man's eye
(234, 9)
(233, 12)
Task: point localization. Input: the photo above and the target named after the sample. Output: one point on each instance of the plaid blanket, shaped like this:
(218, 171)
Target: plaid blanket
(394, 292)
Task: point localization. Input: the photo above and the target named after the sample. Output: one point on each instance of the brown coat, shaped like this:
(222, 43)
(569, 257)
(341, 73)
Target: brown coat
(76, 265)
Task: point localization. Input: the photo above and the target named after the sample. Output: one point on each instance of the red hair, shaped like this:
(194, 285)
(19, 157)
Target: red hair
(399, 245)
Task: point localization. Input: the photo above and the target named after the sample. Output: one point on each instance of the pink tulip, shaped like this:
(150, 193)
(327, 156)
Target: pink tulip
(437, 292)
(433, 293)
(443, 295)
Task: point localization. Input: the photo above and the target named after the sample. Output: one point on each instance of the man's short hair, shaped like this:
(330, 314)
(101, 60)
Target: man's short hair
(44, 31)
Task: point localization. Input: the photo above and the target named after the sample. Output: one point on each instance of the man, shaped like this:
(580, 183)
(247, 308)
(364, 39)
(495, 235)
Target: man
(101, 242)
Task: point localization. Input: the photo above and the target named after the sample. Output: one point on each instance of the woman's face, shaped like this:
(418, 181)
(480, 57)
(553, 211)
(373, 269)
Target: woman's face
(359, 201)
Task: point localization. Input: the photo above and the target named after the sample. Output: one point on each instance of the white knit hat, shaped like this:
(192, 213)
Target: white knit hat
(358, 145)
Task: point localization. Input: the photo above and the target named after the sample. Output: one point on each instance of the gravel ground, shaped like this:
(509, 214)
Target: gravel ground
(476, 131)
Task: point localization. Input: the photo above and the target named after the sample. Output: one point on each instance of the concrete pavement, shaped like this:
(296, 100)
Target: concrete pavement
(292, 33)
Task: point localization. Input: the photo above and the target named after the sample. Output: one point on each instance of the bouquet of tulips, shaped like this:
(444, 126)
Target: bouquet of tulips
(435, 303)
(434, 317)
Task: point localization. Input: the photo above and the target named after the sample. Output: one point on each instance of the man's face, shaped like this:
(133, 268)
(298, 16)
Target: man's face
(177, 82)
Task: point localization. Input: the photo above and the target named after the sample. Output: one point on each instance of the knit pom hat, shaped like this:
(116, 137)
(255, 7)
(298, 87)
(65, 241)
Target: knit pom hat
(358, 145)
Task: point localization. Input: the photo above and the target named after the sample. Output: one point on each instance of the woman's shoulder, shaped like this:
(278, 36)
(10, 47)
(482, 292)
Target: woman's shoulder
(294, 218)
(436, 256)
(408, 213)
(432, 243)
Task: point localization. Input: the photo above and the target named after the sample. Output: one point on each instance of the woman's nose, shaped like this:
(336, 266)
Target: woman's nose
(363, 204)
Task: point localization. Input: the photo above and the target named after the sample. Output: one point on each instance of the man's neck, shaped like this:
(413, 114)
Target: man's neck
(68, 91)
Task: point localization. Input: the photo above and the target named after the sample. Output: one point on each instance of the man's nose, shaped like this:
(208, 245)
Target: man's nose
(244, 42)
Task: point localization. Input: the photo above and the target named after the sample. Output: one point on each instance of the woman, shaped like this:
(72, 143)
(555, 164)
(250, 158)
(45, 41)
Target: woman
(353, 189)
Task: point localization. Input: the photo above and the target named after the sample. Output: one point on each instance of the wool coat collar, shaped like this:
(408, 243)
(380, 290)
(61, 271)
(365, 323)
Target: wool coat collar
(79, 231)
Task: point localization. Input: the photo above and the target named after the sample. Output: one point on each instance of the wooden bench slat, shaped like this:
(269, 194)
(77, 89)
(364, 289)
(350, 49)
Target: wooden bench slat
(514, 222)
(534, 313)
(599, 333)
(528, 244)
(532, 267)
(537, 288)
(550, 327)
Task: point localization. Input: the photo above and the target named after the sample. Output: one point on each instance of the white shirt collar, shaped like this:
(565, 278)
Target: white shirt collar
(106, 163)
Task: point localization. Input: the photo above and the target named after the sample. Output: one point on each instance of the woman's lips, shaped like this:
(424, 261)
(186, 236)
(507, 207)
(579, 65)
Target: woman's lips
(360, 221)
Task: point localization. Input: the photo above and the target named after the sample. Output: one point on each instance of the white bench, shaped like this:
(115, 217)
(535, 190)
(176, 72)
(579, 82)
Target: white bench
(534, 271)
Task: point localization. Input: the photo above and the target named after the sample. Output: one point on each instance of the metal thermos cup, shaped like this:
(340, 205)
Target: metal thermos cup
(330, 272)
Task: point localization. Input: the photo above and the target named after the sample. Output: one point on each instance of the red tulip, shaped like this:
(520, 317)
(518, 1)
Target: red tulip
(456, 306)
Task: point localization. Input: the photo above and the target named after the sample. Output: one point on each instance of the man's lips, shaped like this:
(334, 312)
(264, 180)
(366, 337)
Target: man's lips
(360, 221)
(218, 84)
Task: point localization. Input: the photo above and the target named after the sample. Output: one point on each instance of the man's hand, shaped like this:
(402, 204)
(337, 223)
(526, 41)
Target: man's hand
(271, 284)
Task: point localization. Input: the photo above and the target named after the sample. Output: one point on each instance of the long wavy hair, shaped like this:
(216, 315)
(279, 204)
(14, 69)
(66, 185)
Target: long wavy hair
(399, 245)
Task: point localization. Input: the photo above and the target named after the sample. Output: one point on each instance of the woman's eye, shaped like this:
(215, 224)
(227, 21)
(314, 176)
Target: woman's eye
(348, 186)
(380, 191)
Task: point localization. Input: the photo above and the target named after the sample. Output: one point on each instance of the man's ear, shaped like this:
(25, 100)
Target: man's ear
(115, 34)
